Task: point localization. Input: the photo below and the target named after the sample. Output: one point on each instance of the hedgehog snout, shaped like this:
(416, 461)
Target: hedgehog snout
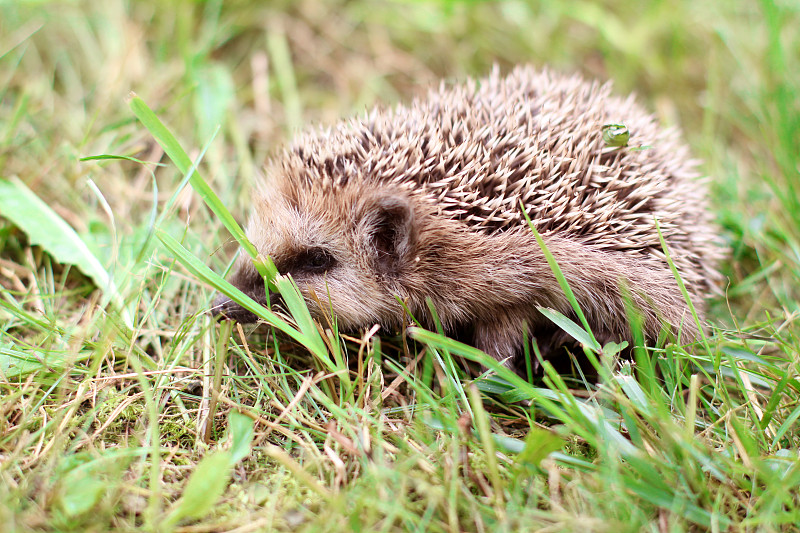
(225, 308)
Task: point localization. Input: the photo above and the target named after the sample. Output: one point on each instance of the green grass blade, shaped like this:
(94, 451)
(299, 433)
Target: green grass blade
(308, 328)
(45, 228)
(176, 153)
(112, 157)
(682, 286)
(574, 330)
(562, 281)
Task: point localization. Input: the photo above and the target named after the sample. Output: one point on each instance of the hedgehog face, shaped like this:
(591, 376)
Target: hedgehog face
(345, 250)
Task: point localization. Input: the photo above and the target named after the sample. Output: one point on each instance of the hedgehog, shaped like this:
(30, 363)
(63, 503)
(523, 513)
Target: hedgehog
(427, 205)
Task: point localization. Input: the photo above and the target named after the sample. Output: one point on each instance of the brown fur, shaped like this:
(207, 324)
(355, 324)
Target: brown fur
(423, 202)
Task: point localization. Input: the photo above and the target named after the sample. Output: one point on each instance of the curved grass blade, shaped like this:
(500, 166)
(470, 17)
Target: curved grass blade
(314, 343)
(176, 153)
(44, 227)
(562, 281)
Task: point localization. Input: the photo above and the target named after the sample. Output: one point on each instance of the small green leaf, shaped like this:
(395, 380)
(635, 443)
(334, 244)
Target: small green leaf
(612, 349)
(493, 384)
(508, 444)
(204, 487)
(634, 392)
(241, 432)
(538, 445)
(81, 492)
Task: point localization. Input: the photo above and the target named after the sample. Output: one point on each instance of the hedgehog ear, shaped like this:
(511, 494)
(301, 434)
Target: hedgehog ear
(390, 226)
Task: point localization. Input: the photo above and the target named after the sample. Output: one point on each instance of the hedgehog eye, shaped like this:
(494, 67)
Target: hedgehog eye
(315, 260)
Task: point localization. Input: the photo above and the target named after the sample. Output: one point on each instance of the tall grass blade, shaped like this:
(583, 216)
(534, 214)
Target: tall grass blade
(173, 149)
(47, 229)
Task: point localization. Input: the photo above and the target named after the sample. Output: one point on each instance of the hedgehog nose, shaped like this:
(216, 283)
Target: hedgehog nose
(229, 310)
(221, 305)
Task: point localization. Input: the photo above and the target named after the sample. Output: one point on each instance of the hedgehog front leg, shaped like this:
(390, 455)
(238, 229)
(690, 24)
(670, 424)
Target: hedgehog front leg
(502, 336)
(499, 341)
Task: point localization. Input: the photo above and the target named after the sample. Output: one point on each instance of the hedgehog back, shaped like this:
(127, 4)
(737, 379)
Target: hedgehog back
(479, 150)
